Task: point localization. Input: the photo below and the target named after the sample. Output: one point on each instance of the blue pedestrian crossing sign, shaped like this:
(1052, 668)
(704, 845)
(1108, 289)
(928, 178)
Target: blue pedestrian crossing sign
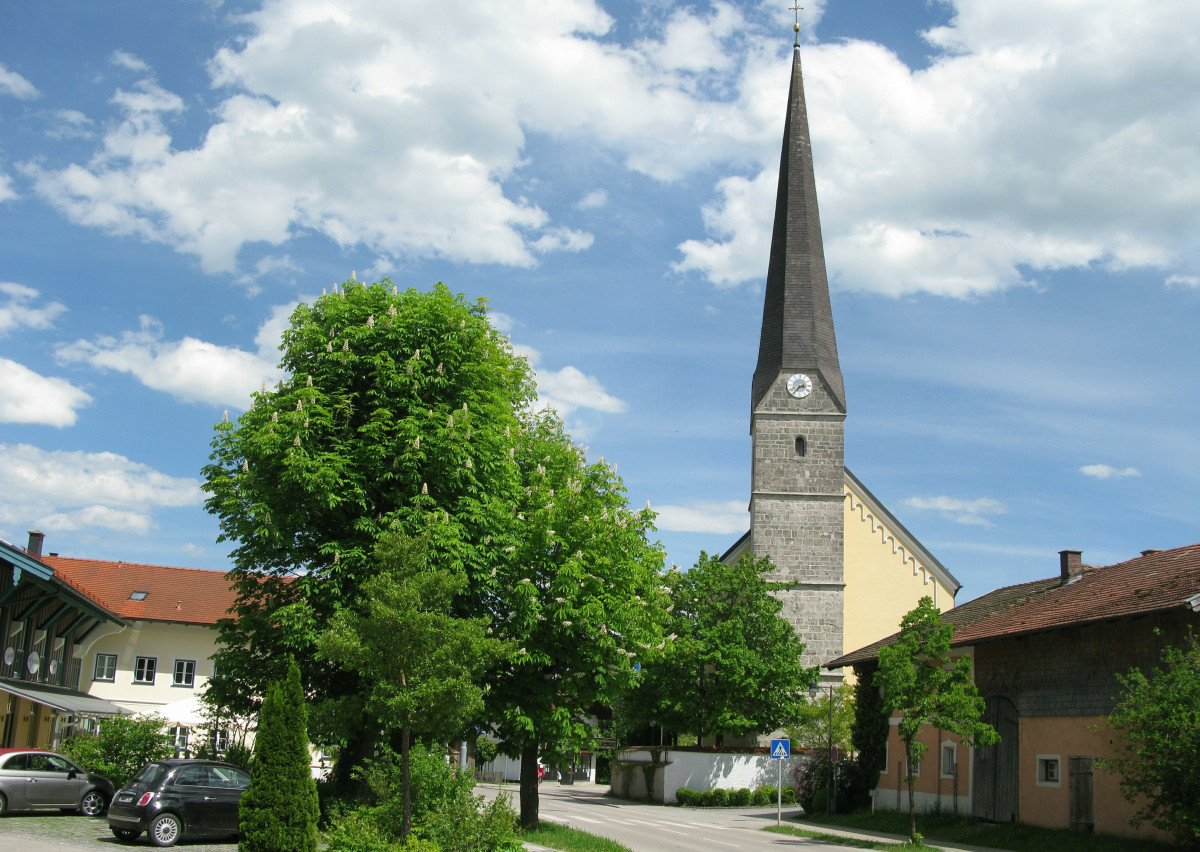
(781, 749)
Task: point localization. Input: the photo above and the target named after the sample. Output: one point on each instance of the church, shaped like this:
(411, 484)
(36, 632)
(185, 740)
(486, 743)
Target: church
(848, 569)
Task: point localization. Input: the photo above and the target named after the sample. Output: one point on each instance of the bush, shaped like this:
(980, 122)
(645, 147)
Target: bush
(718, 798)
(279, 809)
(357, 831)
(764, 796)
(686, 797)
(789, 795)
(740, 798)
(445, 812)
(123, 745)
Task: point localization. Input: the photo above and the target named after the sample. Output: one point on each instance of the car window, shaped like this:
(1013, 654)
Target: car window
(59, 764)
(43, 763)
(192, 776)
(150, 775)
(17, 762)
(227, 776)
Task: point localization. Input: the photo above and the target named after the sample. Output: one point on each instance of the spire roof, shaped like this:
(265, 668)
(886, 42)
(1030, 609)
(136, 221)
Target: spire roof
(797, 326)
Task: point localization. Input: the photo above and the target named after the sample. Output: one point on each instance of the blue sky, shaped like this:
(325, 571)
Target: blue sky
(1010, 196)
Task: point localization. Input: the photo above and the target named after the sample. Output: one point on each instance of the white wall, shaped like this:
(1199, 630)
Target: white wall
(693, 770)
(165, 641)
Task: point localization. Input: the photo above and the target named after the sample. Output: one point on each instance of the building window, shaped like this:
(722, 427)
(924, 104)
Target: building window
(1048, 770)
(185, 673)
(218, 741)
(179, 736)
(106, 667)
(143, 669)
(949, 760)
(883, 770)
(801, 446)
(914, 768)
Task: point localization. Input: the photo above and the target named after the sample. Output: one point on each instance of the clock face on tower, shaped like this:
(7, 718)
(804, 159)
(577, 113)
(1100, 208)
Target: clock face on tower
(799, 385)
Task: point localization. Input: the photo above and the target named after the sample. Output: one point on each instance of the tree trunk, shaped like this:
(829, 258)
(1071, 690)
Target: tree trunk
(529, 787)
(912, 805)
(405, 782)
(346, 782)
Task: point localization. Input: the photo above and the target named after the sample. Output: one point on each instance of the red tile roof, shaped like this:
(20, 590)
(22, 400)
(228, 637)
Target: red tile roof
(1165, 580)
(1156, 582)
(184, 595)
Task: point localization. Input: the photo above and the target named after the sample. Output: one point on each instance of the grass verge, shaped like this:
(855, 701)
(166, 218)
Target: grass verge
(1011, 836)
(571, 839)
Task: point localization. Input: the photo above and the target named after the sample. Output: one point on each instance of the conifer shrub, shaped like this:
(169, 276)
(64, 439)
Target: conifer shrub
(279, 810)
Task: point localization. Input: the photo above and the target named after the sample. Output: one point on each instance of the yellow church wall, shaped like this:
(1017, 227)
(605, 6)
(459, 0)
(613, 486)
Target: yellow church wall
(884, 577)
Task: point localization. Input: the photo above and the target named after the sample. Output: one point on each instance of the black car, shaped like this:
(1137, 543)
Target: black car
(33, 778)
(174, 799)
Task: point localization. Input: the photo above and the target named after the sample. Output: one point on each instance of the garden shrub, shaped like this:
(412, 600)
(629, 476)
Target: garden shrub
(789, 795)
(740, 798)
(720, 798)
(686, 796)
(764, 795)
(121, 747)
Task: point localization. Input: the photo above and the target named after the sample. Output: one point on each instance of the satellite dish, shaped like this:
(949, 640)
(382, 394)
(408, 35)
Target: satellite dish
(9, 655)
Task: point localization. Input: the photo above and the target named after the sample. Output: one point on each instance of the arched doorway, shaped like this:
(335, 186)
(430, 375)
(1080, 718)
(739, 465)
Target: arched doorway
(994, 785)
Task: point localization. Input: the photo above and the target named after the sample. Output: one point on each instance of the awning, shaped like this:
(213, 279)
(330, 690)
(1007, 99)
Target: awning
(68, 700)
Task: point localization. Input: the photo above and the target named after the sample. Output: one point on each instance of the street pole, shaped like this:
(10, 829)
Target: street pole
(779, 790)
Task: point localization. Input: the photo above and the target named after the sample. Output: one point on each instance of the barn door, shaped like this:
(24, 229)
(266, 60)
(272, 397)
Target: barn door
(994, 785)
(1082, 814)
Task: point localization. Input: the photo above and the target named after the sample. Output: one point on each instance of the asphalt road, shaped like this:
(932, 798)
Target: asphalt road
(654, 828)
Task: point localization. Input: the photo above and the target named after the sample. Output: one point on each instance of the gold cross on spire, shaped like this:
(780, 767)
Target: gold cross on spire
(797, 8)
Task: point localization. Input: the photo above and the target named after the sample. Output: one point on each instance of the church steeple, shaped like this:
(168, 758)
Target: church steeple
(797, 326)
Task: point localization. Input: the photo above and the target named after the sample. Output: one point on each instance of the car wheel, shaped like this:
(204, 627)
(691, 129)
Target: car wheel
(165, 830)
(126, 835)
(3, 805)
(93, 803)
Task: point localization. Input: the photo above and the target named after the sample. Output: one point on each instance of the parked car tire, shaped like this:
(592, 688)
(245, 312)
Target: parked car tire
(93, 803)
(3, 805)
(126, 835)
(165, 830)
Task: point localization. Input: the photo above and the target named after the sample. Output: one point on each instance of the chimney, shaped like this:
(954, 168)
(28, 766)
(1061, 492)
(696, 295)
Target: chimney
(35, 544)
(1070, 564)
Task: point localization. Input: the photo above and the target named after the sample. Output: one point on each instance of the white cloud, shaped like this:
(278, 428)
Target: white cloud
(1184, 280)
(127, 60)
(1104, 471)
(1018, 150)
(17, 310)
(593, 200)
(28, 397)
(568, 389)
(407, 139)
(960, 511)
(70, 124)
(59, 491)
(724, 518)
(189, 369)
(7, 193)
(12, 83)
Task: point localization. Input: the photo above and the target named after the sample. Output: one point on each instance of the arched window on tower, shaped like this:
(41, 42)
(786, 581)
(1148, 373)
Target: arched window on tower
(801, 446)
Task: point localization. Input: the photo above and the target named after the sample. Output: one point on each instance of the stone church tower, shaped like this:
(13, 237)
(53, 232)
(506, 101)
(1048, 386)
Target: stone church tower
(798, 408)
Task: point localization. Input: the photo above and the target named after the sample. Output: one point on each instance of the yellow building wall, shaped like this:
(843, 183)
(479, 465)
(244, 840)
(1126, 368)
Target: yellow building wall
(884, 579)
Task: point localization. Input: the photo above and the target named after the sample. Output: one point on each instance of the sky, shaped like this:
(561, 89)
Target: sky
(1009, 194)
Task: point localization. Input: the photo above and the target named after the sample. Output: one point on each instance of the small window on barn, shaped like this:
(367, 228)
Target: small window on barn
(801, 446)
(138, 596)
(1048, 770)
(949, 760)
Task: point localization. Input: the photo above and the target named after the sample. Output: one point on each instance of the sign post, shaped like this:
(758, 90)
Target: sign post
(781, 750)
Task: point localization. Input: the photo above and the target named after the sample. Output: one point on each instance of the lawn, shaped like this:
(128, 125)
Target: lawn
(950, 829)
(571, 839)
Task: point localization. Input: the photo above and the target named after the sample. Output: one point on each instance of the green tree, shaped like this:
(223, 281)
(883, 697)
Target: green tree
(579, 595)
(399, 411)
(418, 663)
(811, 730)
(869, 732)
(733, 667)
(1158, 716)
(929, 687)
(279, 811)
(121, 746)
